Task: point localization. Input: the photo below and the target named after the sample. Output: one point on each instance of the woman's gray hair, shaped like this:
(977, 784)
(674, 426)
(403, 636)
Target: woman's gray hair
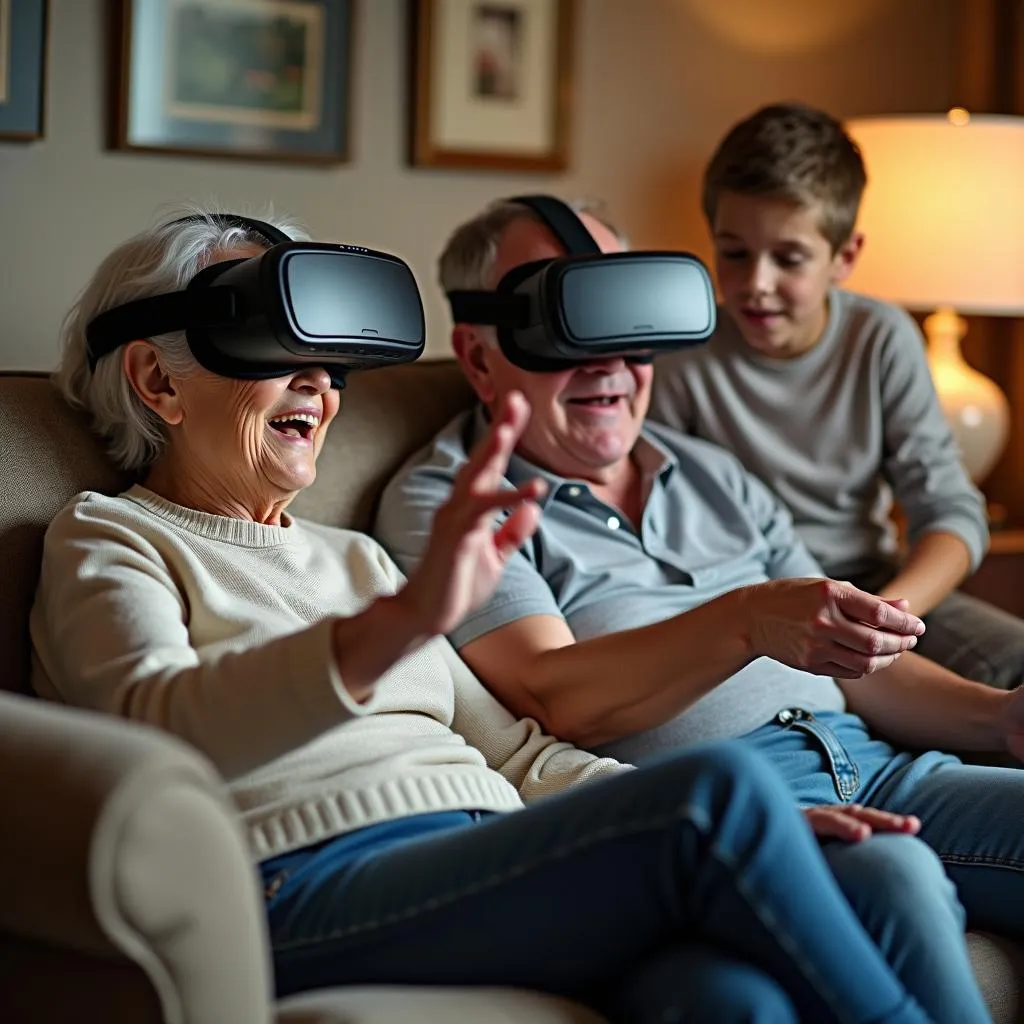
(161, 259)
(467, 261)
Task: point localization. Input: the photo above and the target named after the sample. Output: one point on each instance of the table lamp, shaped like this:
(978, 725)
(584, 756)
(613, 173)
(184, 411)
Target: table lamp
(943, 219)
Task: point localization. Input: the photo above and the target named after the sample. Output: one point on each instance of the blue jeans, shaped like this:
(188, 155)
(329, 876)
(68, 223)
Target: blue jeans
(971, 839)
(688, 888)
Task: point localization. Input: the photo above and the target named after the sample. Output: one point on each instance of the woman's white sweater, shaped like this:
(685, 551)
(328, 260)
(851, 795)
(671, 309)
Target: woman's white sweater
(220, 631)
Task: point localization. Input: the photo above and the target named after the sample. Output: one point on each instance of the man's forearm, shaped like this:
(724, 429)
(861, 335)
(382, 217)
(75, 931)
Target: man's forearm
(917, 703)
(601, 689)
(935, 566)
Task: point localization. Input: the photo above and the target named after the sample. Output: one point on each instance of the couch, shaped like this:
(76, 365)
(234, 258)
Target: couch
(129, 895)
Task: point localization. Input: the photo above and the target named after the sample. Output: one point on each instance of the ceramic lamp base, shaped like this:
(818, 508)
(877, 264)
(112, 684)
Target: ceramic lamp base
(975, 408)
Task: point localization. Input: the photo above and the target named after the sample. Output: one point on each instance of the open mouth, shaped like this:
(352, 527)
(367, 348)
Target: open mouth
(597, 401)
(298, 426)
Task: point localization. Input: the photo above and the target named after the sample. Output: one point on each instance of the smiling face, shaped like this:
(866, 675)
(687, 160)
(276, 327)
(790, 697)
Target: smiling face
(774, 269)
(251, 444)
(584, 421)
(239, 448)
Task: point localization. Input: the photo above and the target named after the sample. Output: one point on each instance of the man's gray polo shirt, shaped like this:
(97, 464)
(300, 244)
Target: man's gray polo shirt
(708, 527)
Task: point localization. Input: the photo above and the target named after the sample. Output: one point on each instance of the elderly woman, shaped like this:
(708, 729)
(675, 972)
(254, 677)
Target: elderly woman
(375, 777)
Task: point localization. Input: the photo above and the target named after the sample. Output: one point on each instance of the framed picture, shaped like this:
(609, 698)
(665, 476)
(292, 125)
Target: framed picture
(255, 79)
(491, 83)
(22, 68)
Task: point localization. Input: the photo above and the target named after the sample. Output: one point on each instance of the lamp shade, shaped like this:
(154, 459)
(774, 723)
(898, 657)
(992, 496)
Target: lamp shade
(943, 212)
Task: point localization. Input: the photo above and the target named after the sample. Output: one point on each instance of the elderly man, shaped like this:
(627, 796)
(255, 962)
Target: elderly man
(666, 599)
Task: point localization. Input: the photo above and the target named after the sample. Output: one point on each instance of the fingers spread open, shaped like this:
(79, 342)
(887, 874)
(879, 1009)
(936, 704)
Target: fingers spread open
(517, 529)
(515, 410)
(486, 468)
(490, 501)
(489, 461)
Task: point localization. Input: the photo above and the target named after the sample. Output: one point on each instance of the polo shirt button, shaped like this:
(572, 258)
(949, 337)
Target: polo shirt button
(613, 523)
(573, 492)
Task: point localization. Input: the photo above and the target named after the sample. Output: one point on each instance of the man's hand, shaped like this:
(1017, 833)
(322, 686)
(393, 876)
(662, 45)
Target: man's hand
(854, 823)
(827, 627)
(466, 554)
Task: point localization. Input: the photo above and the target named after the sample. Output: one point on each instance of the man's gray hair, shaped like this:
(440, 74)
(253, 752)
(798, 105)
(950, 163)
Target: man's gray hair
(467, 261)
(161, 259)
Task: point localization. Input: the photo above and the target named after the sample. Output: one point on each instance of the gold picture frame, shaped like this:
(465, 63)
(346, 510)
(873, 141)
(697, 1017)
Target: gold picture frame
(491, 83)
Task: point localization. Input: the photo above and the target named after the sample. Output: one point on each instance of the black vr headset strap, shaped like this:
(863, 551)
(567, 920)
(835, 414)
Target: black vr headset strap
(492, 308)
(159, 314)
(564, 223)
(501, 308)
(270, 234)
(504, 309)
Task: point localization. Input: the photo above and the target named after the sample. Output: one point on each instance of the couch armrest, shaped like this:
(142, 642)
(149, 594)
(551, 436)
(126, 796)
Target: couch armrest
(118, 840)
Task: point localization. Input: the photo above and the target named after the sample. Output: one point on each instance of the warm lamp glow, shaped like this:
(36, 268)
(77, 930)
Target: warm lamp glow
(943, 213)
(943, 221)
(783, 26)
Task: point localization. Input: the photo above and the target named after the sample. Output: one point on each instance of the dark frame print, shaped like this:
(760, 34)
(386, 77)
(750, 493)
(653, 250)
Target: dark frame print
(141, 125)
(23, 111)
(425, 152)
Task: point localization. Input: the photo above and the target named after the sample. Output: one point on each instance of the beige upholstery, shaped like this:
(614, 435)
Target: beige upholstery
(129, 897)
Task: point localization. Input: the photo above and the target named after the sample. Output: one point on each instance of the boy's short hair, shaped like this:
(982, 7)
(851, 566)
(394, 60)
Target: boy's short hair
(791, 151)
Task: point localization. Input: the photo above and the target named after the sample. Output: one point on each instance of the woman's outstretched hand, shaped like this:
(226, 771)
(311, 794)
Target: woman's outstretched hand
(467, 552)
(461, 566)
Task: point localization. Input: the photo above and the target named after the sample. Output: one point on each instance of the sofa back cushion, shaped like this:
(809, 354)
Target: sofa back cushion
(48, 454)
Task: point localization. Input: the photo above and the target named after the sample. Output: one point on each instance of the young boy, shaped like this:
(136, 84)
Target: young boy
(826, 395)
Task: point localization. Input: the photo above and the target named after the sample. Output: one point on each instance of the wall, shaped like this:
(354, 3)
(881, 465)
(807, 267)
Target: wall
(657, 83)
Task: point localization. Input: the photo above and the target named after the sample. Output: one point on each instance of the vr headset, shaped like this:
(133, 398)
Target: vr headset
(299, 304)
(554, 314)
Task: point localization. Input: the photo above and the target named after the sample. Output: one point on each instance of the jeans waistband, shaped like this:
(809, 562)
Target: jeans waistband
(842, 767)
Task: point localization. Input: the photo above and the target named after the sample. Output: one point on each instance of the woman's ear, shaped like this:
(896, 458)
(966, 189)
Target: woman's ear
(473, 353)
(142, 367)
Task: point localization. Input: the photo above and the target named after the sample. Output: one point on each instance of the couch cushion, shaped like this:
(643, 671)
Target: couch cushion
(47, 454)
(999, 967)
